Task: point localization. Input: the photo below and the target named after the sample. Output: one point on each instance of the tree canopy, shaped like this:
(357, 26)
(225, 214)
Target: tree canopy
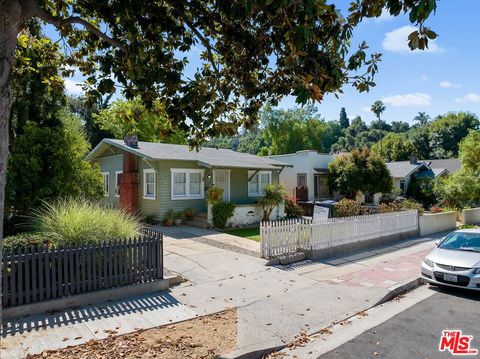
(463, 187)
(395, 147)
(123, 118)
(359, 170)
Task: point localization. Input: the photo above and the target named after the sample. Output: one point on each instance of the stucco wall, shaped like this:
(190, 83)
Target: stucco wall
(247, 214)
(470, 216)
(437, 222)
(303, 162)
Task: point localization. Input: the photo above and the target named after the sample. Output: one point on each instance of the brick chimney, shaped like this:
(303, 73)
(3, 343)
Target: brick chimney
(129, 183)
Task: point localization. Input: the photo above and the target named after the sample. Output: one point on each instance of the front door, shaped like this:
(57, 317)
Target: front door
(221, 179)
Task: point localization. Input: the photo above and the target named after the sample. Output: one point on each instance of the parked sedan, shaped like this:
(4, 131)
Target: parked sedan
(455, 261)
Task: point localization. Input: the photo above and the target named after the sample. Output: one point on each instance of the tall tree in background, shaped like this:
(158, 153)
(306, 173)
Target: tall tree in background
(378, 108)
(86, 110)
(47, 144)
(252, 51)
(395, 147)
(344, 121)
(422, 118)
(131, 117)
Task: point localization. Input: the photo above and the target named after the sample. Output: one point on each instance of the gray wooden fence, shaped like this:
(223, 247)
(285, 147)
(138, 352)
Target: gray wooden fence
(37, 274)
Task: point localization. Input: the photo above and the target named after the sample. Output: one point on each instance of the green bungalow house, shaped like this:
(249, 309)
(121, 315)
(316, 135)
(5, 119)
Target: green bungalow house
(153, 178)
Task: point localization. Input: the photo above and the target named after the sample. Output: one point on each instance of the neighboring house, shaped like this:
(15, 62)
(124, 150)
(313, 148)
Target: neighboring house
(403, 172)
(309, 175)
(153, 178)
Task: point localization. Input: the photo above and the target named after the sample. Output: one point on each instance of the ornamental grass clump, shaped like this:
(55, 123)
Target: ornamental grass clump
(74, 221)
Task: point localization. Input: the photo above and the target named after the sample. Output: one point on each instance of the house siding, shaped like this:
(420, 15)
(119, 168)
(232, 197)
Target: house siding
(162, 203)
(111, 164)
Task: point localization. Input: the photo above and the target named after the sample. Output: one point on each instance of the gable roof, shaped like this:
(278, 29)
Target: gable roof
(401, 169)
(206, 156)
(451, 164)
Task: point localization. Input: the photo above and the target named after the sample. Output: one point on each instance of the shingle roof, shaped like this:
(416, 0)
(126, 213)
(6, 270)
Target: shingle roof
(451, 164)
(210, 157)
(402, 169)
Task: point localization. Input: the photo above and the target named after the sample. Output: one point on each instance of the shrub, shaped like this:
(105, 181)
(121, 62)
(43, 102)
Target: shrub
(25, 240)
(347, 208)
(293, 210)
(221, 212)
(78, 220)
(397, 206)
(169, 217)
(436, 209)
(150, 219)
(273, 195)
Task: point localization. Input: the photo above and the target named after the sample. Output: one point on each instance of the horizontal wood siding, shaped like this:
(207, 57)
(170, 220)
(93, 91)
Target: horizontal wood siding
(111, 164)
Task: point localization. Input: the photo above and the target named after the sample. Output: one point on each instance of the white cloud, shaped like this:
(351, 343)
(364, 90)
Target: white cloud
(409, 99)
(469, 97)
(366, 109)
(73, 87)
(448, 84)
(397, 41)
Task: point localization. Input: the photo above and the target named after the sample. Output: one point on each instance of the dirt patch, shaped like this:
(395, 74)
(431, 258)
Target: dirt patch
(205, 337)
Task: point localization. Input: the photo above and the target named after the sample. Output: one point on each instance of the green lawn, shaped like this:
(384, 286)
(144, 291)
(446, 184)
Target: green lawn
(249, 233)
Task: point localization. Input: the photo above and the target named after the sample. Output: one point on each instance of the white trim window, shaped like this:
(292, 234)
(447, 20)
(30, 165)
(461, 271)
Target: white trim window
(258, 181)
(187, 184)
(117, 183)
(106, 183)
(149, 183)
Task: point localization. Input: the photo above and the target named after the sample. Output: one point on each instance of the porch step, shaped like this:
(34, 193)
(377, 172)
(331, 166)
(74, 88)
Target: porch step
(197, 223)
(199, 220)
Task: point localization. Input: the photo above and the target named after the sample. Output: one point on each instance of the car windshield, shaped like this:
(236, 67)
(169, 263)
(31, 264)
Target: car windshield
(462, 241)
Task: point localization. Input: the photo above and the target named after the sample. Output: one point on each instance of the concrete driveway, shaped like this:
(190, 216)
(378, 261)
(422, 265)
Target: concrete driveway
(275, 304)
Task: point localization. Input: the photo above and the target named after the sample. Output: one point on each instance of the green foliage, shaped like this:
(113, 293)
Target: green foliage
(359, 170)
(288, 131)
(347, 208)
(273, 195)
(221, 212)
(48, 162)
(463, 187)
(394, 147)
(26, 240)
(343, 120)
(422, 118)
(422, 190)
(292, 209)
(404, 205)
(169, 217)
(400, 126)
(377, 108)
(78, 220)
(123, 118)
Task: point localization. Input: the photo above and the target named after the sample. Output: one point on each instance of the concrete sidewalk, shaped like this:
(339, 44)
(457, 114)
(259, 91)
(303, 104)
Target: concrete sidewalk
(274, 304)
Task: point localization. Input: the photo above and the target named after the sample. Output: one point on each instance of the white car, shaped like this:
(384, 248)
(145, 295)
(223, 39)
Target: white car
(455, 261)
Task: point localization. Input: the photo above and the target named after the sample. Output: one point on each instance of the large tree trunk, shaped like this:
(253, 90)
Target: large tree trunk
(10, 25)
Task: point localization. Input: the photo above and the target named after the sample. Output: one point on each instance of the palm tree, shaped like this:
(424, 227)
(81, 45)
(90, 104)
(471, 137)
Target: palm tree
(422, 118)
(377, 108)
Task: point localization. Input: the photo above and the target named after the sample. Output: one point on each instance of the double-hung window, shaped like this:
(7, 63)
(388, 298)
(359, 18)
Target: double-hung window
(257, 182)
(149, 183)
(106, 186)
(117, 183)
(187, 184)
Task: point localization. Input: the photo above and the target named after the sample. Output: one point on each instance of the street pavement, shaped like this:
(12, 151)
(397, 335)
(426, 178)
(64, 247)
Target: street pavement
(274, 304)
(416, 332)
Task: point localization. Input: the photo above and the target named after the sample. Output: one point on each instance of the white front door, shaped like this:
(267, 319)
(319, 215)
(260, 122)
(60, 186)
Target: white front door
(221, 179)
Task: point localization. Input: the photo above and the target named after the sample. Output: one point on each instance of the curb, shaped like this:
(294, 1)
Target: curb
(260, 353)
(400, 288)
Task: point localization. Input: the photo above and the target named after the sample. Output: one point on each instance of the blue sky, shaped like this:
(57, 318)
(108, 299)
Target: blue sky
(444, 78)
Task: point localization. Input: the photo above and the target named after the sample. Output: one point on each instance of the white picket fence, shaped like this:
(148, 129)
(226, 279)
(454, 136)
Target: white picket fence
(280, 237)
